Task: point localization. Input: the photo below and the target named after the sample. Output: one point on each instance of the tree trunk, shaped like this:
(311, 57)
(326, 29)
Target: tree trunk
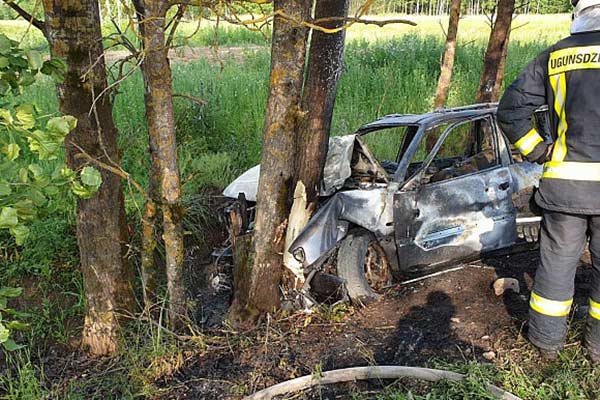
(279, 145)
(501, 67)
(495, 51)
(325, 66)
(73, 31)
(149, 264)
(163, 148)
(150, 271)
(443, 87)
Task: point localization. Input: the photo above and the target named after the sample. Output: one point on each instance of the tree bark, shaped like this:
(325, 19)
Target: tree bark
(443, 87)
(501, 67)
(277, 167)
(73, 31)
(163, 150)
(325, 66)
(495, 52)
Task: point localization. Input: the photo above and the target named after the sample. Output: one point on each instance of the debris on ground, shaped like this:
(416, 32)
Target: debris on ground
(503, 284)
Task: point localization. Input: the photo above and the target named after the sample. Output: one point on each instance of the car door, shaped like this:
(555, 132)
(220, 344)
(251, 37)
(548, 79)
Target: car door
(460, 211)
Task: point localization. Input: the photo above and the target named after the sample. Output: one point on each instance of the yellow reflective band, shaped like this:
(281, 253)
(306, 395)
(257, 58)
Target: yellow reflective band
(559, 87)
(528, 142)
(594, 309)
(574, 58)
(577, 171)
(549, 307)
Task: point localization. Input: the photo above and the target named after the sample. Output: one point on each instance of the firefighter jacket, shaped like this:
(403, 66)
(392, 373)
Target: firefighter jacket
(567, 78)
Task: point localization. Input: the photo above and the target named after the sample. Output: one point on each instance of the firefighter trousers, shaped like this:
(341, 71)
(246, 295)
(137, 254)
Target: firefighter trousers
(562, 241)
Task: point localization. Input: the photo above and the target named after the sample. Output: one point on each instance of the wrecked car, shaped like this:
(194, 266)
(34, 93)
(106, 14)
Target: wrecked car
(406, 194)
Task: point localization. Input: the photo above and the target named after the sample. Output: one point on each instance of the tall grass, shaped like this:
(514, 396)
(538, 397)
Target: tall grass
(223, 137)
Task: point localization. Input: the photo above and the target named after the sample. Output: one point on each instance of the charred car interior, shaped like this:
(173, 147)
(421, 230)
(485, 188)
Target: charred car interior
(407, 194)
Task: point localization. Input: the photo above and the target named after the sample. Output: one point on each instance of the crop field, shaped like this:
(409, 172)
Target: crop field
(388, 70)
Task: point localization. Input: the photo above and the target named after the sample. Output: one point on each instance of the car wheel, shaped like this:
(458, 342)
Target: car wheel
(363, 265)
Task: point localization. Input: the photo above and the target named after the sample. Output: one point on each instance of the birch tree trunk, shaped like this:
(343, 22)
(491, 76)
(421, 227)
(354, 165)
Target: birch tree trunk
(288, 53)
(163, 151)
(73, 31)
(325, 66)
(443, 87)
(495, 52)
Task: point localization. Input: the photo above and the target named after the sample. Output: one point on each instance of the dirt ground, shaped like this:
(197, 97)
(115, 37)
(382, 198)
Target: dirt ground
(452, 317)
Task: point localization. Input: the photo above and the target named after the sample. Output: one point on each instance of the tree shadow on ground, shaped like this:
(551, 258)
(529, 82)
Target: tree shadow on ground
(425, 332)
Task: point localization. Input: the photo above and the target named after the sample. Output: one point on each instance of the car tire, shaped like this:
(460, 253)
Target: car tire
(362, 264)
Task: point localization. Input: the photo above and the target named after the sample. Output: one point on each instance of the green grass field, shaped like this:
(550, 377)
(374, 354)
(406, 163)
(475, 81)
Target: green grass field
(388, 70)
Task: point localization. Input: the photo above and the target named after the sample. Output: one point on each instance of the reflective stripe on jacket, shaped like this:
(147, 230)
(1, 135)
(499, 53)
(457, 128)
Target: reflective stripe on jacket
(567, 78)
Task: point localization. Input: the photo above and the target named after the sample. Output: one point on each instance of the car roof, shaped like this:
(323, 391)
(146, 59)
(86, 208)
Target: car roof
(429, 119)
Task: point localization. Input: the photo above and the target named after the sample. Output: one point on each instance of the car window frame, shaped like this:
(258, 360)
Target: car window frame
(416, 179)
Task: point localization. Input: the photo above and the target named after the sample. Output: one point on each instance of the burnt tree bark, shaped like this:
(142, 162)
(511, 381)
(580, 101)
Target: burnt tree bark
(163, 149)
(288, 53)
(496, 50)
(73, 31)
(443, 87)
(325, 66)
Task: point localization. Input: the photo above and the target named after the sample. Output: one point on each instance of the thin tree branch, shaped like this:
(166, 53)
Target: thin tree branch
(26, 16)
(190, 97)
(364, 21)
(175, 21)
(117, 171)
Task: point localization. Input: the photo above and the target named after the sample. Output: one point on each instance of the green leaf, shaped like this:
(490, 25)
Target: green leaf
(91, 178)
(8, 218)
(5, 189)
(27, 78)
(50, 190)
(81, 191)
(23, 175)
(36, 170)
(34, 58)
(20, 233)
(10, 345)
(67, 173)
(12, 151)
(58, 126)
(37, 197)
(17, 325)
(56, 68)
(5, 116)
(3, 62)
(25, 208)
(10, 292)
(46, 146)
(5, 43)
(26, 116)
(18, 62)
(4, 333)
(4, 86)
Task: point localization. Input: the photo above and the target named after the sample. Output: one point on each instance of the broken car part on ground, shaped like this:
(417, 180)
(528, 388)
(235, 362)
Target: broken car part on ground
(406, 194)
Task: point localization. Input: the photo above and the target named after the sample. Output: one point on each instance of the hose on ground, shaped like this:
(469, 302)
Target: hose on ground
(364, 373)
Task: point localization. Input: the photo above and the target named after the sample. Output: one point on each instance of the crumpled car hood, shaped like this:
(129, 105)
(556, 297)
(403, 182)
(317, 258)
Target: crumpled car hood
(337, 170)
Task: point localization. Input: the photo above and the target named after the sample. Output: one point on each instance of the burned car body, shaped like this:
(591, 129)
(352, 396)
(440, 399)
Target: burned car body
(415, 192)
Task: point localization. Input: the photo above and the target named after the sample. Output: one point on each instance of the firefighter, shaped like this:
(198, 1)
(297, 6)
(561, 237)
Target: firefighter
(567, 78)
